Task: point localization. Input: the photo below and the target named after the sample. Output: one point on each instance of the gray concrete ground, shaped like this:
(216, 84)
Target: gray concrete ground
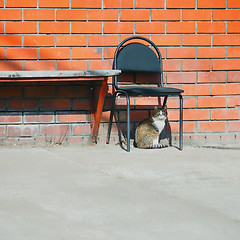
(103, 192)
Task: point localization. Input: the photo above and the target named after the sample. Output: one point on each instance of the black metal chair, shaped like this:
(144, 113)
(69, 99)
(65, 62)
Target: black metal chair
(135, 57)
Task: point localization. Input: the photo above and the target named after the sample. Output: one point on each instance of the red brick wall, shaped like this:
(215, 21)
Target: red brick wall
(199, 41)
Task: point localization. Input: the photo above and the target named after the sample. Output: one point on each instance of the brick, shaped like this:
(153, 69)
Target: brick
(143, 102)
(171, 65)
(39, 91)
(181, 52)
(225, 114)
(211, 77)
(21, 53)
(54, 4)
(109, 52)
(196, 65)
(100, 64)
(21, 3)
(39, 40)
(166, 15)
(71, 64)
(188, 127)
(226, 14)
(233, 101)
(87, 53)
(124, 36)
(233, 76)
(1, 3)
(102, 15)
(54, 53)
(195, 114)
(181, 4)
(211, 4)
(135, 15)
(211, 52)
(11, 118)
(150, 4)
(2, 53)
(196, 90)
(196, 15)
(70, 117)
(11, 65)
(135, 116)
(233, 27)
(103, 40)
(196, 40)
(181, 77)
(118, 4)
(226, 64)
(10, 14)
(189, 102)
(2, 131)
(233, 4)
(226, 40)
(233, 52)
(86, 4)
(211, 102)
(118, 27)
(10, 40)
(71, 15)
(81, 104)
(21, 27)
(213, 126)
(234, 126)
(71, 91)
(39, 14)
(81, 129)
(54, 27)
(211, 27)
(22, 130)
(173, 102)
(55, 104)
(37, 65)
(1, 27)
(38, 118)
(225, 89)
(71, 40)
(167, 40)
(150, 27)
(55, 130)
(180, 27)
(86, 27)
(22, 104)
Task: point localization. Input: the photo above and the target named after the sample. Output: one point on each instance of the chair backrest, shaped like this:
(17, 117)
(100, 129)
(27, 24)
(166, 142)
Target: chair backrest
(136, 57)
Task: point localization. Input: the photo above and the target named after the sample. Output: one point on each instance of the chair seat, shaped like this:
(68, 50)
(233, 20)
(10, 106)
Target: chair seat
(150, 91)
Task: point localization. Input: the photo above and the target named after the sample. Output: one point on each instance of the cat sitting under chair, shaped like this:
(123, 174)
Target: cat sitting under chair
(148, 131)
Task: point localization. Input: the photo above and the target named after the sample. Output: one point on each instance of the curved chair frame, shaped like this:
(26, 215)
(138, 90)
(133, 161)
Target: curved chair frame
(162, 91)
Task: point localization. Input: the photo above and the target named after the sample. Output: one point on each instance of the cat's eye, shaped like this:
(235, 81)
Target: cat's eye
(158, 113)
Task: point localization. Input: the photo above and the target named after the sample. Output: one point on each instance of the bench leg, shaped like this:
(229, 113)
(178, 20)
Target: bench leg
(99, 109)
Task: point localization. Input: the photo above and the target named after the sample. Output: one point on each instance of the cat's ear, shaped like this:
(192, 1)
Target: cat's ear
(165, 108)
(155, 108)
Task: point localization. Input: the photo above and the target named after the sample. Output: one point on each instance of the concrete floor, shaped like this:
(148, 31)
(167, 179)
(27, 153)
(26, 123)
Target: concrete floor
(103, 192)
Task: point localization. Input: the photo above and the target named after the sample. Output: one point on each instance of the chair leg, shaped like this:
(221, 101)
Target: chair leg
(128, 123)
(165, 101)
(111, 119)
(181, 124)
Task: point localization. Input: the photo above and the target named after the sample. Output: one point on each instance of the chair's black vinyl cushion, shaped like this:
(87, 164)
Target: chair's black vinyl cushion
(137, 57)
(150, 91)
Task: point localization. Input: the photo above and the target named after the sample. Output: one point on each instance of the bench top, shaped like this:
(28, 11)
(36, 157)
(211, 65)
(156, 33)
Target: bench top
(14, 75)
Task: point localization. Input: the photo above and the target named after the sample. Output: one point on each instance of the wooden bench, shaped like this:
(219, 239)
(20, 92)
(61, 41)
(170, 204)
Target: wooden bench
(90, 76)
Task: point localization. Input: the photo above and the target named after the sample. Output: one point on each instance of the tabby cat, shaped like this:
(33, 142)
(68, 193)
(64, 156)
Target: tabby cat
(148, 130)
